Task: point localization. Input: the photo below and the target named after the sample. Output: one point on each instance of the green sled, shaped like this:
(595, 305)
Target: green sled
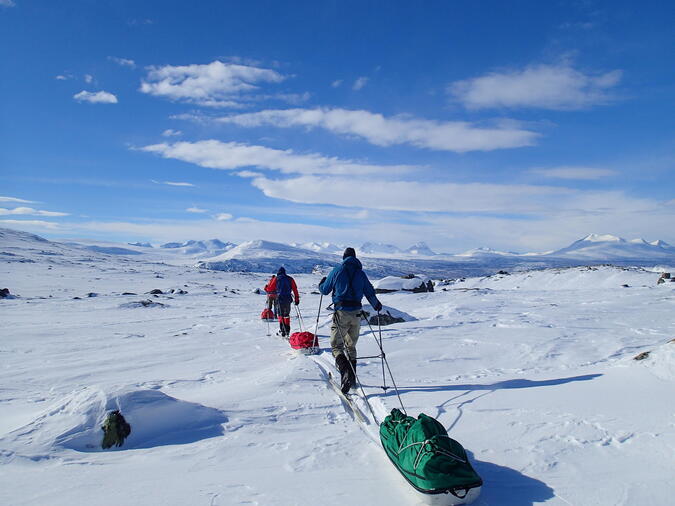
(431, 461)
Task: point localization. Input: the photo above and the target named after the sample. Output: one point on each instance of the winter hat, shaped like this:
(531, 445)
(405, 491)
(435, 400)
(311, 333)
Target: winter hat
(349, 252)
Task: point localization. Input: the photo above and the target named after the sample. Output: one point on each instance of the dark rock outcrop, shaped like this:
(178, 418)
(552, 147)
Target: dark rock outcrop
(384, 319)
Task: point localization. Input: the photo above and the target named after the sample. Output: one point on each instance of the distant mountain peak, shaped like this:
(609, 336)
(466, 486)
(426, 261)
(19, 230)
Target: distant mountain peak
(420, 248)
(602, 238)
(378, 247)
(610, 247)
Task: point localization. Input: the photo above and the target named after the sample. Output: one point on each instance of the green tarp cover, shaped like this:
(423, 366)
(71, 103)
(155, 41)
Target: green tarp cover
(427, 457)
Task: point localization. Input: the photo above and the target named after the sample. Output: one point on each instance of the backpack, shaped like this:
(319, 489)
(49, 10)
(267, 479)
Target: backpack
(283, 288)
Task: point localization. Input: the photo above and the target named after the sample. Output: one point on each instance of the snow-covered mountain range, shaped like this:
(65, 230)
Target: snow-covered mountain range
(378, 259)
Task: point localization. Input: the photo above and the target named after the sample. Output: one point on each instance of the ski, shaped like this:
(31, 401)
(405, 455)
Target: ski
(347, 399)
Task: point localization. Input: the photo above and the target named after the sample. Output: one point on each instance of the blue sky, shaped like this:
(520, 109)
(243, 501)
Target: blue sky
(516, 125)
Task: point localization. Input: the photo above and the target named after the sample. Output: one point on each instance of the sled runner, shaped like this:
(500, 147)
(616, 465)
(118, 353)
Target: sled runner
(433, 463)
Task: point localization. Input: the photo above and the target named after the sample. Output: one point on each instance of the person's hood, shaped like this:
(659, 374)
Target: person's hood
(281, 271)
(352, 263)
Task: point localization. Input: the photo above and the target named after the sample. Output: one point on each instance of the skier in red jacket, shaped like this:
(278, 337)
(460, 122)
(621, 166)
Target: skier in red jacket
(287, 291)
(271, 295)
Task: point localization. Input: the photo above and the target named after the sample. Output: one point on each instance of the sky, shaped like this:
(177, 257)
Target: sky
(519, 126)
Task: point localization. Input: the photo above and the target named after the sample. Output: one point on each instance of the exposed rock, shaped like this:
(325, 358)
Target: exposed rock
(156, 291)
(142, 303)
(4, 293)
(642, 356)
(385, 319)
(128, 293)
(415, 284)
(92, 294)
(257, 291)
(626, 286)
(503, 273)
(663, 277)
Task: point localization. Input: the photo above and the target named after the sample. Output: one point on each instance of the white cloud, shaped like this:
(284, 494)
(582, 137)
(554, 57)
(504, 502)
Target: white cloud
(88, 78)
(412, 195)
(233, 155)
(30, 224)
(216, 84)
(172, 183)
(13, 199)
(196, 210)
(337, 83)
(557, 87)
(575, 173)
(123, 62)
(170, 132)
(377, 129)
(360, 83)
(98, 97)
(7, 3)
(30, 211)
(223, 217)
(61, 77)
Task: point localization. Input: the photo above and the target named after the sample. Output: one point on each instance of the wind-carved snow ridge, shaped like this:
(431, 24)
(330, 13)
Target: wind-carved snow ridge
(156, 419)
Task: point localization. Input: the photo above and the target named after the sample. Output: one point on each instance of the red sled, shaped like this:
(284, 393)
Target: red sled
(305, 342)
(268, 315)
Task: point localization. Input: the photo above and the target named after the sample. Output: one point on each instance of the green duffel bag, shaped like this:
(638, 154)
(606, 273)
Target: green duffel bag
(427, 457)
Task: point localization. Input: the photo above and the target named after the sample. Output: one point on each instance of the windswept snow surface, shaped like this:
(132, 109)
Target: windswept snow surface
(531, 372)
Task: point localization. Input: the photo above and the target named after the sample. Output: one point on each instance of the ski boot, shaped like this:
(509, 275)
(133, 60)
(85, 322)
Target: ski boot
(343, 368)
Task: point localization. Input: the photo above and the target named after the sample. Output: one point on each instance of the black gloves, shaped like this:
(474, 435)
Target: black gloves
(297, 302)
(378, 307)
(322, 280)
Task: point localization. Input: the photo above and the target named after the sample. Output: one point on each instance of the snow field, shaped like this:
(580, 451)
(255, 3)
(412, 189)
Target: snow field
(532, 373)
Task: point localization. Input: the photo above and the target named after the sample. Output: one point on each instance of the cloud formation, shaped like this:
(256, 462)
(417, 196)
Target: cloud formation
(170, 132)
(223, 216)
(233, 155)
(14, 199)
(30, 223)
(30, 211)
(412, 195)
(172, 183)
(216, 84)
(360, 83)
(196, 210)
(585, 173)
(556, 87)
(7, 3)
(123, 62)
(98, 97)
(458, 136)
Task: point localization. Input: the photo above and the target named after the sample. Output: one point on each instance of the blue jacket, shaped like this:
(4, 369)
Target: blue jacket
(349, 284)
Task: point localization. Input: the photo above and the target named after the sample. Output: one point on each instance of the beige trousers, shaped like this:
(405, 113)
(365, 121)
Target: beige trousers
(344, 332)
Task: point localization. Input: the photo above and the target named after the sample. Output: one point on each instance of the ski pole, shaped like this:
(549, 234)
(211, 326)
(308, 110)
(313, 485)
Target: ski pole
(318, 313)
(302, 324)
(384, 378)
(384, 358)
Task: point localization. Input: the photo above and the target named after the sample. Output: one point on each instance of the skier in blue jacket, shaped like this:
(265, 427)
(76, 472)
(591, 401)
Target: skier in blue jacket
(348, 284)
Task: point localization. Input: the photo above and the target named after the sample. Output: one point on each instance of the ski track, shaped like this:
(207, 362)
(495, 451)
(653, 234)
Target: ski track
(536, 381)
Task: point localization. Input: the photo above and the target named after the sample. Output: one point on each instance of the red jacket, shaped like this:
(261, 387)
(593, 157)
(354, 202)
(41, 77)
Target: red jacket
(271, 290)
